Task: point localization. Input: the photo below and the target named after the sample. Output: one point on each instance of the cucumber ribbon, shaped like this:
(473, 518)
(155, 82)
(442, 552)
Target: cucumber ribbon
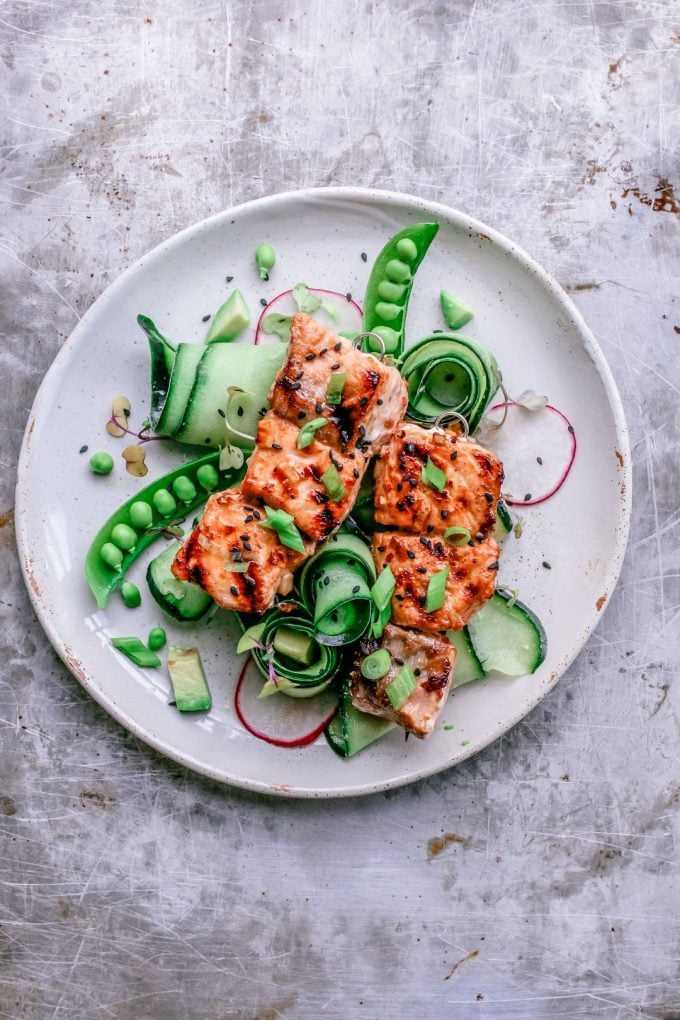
(449, 372)
(335, 587)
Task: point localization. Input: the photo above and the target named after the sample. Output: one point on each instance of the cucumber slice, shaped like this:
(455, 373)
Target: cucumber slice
(507, 637)
(181, 600)
(230, 320)
(181, 383)
(188, 680)
(350, 731)
(467, 667)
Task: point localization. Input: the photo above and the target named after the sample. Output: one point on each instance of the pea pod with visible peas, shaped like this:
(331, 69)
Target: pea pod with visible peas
(140, 521)
(390, 284)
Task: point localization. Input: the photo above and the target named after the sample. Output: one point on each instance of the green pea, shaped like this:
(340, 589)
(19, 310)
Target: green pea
(207, 477)
(407, 249)
(184, 489)
(386, 311)
(391, 291)
(101, 463)
(111, 554)
(164, 502)
(265, 257)
(397, 271)
(389, 337)
(157, 638)
(124, 537)
(131, 595)
(141, 515)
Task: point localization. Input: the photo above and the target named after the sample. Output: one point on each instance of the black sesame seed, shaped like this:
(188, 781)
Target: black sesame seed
(221, 412)
(356, 589)
(348, 295)
(262, 412)
(409, 447)
(429, 529)
(471, 542)
(410, 553)
(399, 486)
(437, 330)
(324, 350)
(362, 431)
(276, 446)
(425, 541)
(234, 590)
(364, 257)
(239, 411)
(527, 497)
(249, 582)
(417, 672)
(229, 279)
(319, 408)
(83, 449)
(310, 356)
(247, 546)
(488, 496)
(570, 429)
(335, 367)
(301, 415)
(257, 515)
(208, 441)
(236, 556)
(248, 519)
(399, 661)
(205, 318)
(263, 302)
(244, 538)
(413, 482)
(539, 460)
(547, 565)
(326, 581)
(295, 385)
(338, 346)
(454, 454)
(443, 514)
(422, 570)
(479, 536)
(399, 598)
(299, 375)
(493, 566)
(379, 402)
(356, 473)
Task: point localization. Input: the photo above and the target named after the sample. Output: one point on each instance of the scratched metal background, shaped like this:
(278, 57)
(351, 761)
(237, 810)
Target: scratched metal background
(132, 889)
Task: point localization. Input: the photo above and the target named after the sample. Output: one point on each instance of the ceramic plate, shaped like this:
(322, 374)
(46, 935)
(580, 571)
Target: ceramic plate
(541, 342)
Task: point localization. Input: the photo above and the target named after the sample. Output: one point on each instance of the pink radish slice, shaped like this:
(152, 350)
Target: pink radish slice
(351, 315)
(282, 721)
(537, 449)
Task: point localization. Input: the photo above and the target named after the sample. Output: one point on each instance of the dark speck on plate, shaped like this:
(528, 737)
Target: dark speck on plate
(364, 257)
(83, 449)
(263, 302)
(205, 318)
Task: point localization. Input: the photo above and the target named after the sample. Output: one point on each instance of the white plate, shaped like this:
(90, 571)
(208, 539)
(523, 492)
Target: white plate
(540, 341)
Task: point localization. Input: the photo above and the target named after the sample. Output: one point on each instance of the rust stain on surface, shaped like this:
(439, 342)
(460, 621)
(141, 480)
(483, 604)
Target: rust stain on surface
(470, 956)
(600, 602)
(619, 457)
(662, 200)
(7, 806)
(71, 661)
(7, 518)
(439, 843)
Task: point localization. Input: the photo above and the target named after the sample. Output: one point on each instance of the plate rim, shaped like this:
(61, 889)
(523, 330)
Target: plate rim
(343, 194)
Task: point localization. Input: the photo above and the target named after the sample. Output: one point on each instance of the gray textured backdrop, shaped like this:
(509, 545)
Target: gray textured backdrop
(132, 889)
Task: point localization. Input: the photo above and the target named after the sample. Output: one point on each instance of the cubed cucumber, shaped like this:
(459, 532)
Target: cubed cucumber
(188, 680)
(229, 320)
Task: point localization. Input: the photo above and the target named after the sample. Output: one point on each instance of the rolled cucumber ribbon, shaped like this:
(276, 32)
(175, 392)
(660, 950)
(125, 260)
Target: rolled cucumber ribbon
(449, 372)
(335, 587)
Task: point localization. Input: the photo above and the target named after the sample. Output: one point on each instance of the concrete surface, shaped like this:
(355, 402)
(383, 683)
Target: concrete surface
(132, 889)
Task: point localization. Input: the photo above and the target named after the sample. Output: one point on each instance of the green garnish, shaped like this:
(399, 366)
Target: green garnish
(433, 476)
(136, 651)
(436, 590)
(383, 589)
(250, 638)
(333, 484)
(275, 324)
(265, 259)
(237, 568)
(310, 303)
(296, 646)
(306, 436)
(448, 726)
(282, 523)
(401, 687)
(457, 536)
(376, 665)
(336, 385)
(455, 313)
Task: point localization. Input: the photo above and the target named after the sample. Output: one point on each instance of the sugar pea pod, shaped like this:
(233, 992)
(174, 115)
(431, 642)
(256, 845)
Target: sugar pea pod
(390, 284)
(335, 586)
(449, 372)
(141, 520)
(287, 654)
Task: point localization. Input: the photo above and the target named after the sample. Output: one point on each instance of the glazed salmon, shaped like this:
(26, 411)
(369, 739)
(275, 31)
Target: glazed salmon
(373, 398)
(431, 658)
(413, 560)
(230, 534)
(286, 477)
(469, 495)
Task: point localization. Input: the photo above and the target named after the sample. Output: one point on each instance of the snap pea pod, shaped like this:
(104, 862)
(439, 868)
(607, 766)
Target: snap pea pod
(159, 505)
(449, 372)
(277, 632)
(335, 587)
(390, 284)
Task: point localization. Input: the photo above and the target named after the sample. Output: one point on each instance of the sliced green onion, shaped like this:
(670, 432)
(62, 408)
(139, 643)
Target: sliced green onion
(376, 665)
(383, 589)
(136, 651)
(457, 536)
(236, 568)
(433, 475)
(306, 436)
(333, 484)
(336, 384)
(251, 638)
(401, 687)
(381, 618)
(282, 523)
(436, 591)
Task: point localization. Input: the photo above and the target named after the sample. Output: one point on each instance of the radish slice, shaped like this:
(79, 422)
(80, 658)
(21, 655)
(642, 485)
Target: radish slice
(282, 721)
(537, 449)
(350, 314)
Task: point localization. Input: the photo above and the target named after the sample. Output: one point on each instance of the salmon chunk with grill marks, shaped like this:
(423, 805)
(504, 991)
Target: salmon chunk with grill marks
(430, 657)
(229, 535)
(288, 478)
(469, 492)
(373, 397)
(414, 559)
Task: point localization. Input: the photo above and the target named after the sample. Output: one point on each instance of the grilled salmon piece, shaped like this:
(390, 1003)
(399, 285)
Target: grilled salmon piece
(470, 493)
(287, 478)
(373, 398)
(229, 534)
(431, 658)
(414, 559)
